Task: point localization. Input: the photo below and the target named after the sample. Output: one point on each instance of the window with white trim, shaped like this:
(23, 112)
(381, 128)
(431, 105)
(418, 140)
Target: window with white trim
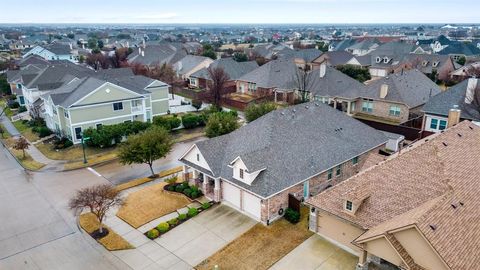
(394, 110)
(118, 106)
(367, 106)
(349, 206)
(78, 133)
(241, 174)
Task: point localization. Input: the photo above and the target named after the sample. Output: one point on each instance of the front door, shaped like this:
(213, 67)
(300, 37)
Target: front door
(305, 189)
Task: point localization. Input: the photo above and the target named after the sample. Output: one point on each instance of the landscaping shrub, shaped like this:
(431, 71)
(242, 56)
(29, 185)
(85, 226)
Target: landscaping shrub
(254, 111)
(192, 212)
(194, 194)
(205, 206)
(153, 233)
(179, 188)
(43, 131)
(191, 120)
(173, 222)
(182, 217)
(221, 123)
(185, 185)
(171, 188)
(194, 188)
(108, 135)
(187, 192)
(168, 122)
(62, 143)
(14, 105)
(22, 109)
(163, 227)
(171, 180)
(292, 216)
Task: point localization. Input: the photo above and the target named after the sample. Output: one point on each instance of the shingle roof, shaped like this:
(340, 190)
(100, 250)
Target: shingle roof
(233, 68)
(443, 102)
(410, 87)
(56, 75)
(157, 54)
(327, 138)
(336, 58)
(458, 47)
(334, 84)
(189, 62)
(278, 73)
(418, 187)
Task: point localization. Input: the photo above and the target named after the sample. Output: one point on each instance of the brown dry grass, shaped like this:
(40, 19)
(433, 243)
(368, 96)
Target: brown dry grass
(261, 246)
(140, 181)
(150, 203)
(112, 241)
(26, 131)
(28, 162)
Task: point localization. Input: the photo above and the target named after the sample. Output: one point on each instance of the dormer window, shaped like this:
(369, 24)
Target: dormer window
(386, 60)
(241, 174)
(349, 206)
(435, 64)
(198, 157)
(425, 63)
(378, 60)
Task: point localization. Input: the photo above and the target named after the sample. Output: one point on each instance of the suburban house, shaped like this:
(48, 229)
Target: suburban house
(416, 210)
(459, 49)
(396, 98)
(387, 57)
(303, 58)
(91, 102)
(267, 51)
(191, 64)
(14, 79)
(54, 51)
(258, 176)
(460, 101)
(465, 71)
(440, 66)
(336, 58)
(275, 77)
(157, 54)
(234, 70)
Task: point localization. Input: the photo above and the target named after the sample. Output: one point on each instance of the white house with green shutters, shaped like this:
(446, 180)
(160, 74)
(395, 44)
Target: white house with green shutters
(93, 102)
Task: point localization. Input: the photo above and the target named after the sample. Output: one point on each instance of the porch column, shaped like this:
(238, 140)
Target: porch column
(275, 96)
(194, 176)
(362, 261)
(144, 110)
(312, 221)
(205, 184)
(185, 173)
(216, 190)
(349, 108)
(334, 103)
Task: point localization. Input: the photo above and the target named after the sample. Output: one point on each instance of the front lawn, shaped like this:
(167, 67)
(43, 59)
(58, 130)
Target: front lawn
(26, 131)
(72, 153)
(261, 246)
(28, 162)
(150, 203)
(112, 241)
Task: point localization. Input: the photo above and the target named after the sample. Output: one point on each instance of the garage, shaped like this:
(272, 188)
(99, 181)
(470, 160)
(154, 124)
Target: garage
(251, 204)
(231, 194)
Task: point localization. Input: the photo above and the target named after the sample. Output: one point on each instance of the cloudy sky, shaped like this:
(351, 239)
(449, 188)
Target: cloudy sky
(241, 11)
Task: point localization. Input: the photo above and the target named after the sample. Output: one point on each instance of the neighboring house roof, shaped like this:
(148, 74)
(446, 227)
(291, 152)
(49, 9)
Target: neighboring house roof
(32, 59)
(113, 73)
(455, 95)
(280, 73)
(269, 50)
(394, 52)
(157, 54)
(307, 55)
(56, 75)
(58, 48)
(337, 58)
(343, 45)
(433, 184)
(458, 47)
(291, 145)
(428, 62)
(334, 84)
(410, 87)
(233, 68)
(189, 62)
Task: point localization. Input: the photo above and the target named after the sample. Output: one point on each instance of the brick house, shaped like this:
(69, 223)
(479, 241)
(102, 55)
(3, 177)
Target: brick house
(415, 210)
(257, 175)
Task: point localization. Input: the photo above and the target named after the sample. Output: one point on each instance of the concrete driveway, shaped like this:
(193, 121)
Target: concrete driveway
(319, 254)
(202, 236)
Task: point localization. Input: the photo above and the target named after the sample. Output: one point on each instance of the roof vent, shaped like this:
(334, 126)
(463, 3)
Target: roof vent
(433, 227)
(454, 206)
(306, 107)
(316, 104)
(459, 135)
(461, 203)
(282, 113)
(444, 144)
(294, 110)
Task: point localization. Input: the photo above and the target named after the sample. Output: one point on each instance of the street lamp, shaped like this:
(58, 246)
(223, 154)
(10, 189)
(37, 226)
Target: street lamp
(84, 139)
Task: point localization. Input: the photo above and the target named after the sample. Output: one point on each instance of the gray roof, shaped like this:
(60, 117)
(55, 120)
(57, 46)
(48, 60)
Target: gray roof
(443, 102)
(410, 87)
(291, 144)
(426, 62)
(334, 84)
(336, 58)
(56, 75)
(157, 54)
(308, 55)
(58, 48)
(457, 47)
(189, 62)
(113, 73)
(280, 73)
(269, 50)
(233, 68)
(70, 93)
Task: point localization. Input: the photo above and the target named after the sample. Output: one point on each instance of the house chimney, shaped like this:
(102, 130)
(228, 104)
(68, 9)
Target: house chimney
(143, 53)
(323, 70)
(454, 116)
(470, 93)
(383, 90)
(139, 50)
(71, 46)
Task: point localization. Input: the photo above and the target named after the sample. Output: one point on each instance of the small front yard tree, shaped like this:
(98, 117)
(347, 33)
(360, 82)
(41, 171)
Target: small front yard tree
(146, 147)
(219, 78)
(21, 144)
(98, 200)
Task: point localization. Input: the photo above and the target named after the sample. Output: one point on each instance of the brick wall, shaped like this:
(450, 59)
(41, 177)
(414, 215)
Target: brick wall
(382, 109)
(317, 184)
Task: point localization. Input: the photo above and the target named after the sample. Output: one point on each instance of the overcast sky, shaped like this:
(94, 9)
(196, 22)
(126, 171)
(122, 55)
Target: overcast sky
(240, 11)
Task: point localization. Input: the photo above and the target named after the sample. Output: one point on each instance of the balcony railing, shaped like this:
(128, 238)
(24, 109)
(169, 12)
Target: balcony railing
(137, 109)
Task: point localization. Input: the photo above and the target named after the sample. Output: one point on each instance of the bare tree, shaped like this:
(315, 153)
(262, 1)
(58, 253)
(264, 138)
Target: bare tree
(21, 144)
(302, 84)
(98, 200)
(219, 78)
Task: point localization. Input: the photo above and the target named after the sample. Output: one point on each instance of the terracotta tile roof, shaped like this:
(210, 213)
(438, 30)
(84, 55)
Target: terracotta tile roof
(433, 185)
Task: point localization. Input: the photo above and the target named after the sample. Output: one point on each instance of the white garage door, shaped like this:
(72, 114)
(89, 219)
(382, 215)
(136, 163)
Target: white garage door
(251, 204)
(231, 194)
